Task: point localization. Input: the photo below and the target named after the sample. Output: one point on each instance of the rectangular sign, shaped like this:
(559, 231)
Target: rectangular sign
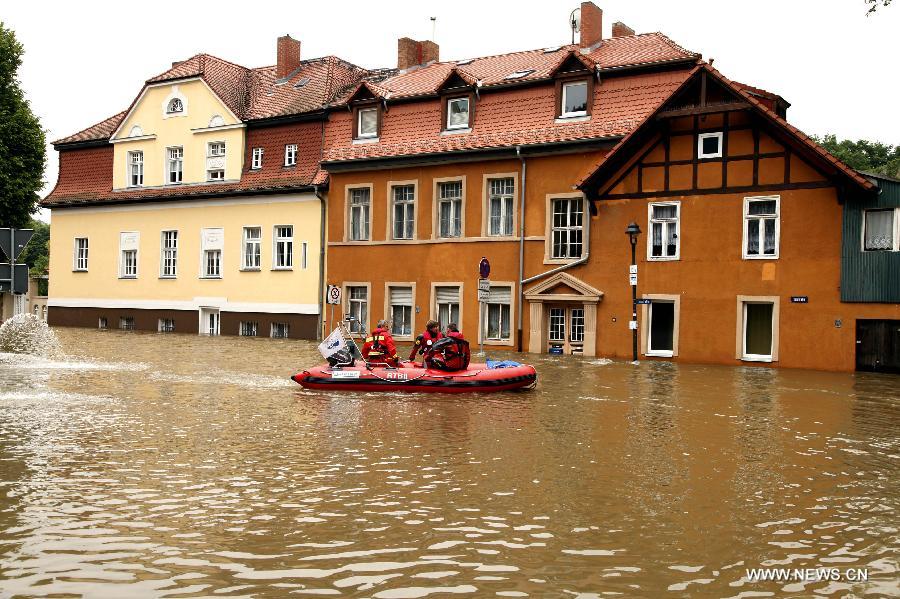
(632, 270)
(643, 301)
(632, 325)
(484, 295)
(799, 299)
(484, 284)
(345, 374)
(632, 279)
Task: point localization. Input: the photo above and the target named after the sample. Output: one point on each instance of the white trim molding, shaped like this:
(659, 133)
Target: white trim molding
(193, 304)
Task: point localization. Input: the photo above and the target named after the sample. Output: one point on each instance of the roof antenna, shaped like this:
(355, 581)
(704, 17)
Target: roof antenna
(433, 26)
(575, 22)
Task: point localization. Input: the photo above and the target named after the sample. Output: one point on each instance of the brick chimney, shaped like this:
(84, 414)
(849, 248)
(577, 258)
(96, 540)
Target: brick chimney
(620, 29)
(288, 56)
(412, 52)
(591, 25)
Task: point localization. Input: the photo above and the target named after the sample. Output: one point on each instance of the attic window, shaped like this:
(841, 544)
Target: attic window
(464, 62)
(552, 50)
(519, 74)
(175, 105)
(302, 82)
(709, 145)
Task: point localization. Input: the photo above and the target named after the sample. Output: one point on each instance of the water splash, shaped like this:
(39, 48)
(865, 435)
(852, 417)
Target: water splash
(28, 334)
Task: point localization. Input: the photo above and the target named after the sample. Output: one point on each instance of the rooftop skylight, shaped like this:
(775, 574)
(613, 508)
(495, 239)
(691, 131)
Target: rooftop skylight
(519, 74)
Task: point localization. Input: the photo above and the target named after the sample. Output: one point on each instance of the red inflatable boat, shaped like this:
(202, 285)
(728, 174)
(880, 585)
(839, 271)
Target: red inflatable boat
(414, 378)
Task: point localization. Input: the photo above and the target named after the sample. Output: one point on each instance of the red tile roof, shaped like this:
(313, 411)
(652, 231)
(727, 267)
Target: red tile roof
(98, 131)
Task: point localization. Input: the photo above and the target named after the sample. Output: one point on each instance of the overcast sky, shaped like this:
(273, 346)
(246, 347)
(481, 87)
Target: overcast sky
(86, 60)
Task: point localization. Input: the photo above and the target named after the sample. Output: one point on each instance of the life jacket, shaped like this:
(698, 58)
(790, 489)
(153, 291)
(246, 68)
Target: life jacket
(380, 348)
(423, 343)
(455, 335)
(448, 354)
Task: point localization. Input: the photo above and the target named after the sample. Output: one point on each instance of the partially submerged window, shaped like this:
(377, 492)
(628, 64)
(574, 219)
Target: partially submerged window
(358, 307)
(758, 333)
(401, 310)
(446, 299)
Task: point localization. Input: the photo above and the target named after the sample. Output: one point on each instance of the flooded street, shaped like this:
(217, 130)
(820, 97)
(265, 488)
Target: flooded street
(144, 465)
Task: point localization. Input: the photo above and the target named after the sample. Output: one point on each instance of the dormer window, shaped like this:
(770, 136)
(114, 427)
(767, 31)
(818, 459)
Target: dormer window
(519, 74)
(709, 145)
(367, 123)
(574, 101)
(175, 106)
(458, 113)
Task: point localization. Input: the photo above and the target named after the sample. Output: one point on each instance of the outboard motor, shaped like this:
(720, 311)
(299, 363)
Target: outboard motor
(448, 354)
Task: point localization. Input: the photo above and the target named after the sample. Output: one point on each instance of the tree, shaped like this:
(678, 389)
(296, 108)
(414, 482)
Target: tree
(22, 144)
(37, 253)
(864, 155)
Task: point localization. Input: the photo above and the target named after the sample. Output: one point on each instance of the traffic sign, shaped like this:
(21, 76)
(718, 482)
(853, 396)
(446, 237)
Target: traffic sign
(632, 269)
(19, 239)
(16, 282)
(484, 295)
(643, 301)
(333, 296)
(632, 279)
(484, 268)
(484, 284)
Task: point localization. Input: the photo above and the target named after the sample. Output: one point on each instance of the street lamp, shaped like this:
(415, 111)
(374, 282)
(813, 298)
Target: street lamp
(633, 230)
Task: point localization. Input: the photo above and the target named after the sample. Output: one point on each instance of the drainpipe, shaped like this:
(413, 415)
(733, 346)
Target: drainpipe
(521, 252)
(322, 226)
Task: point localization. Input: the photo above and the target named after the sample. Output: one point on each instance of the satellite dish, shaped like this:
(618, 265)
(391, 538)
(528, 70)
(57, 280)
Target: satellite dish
(575, 20)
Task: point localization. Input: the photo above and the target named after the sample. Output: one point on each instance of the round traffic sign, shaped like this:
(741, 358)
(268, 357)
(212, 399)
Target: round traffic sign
(484, 268)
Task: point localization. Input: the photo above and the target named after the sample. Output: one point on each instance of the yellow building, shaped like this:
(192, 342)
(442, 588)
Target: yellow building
(199, 208)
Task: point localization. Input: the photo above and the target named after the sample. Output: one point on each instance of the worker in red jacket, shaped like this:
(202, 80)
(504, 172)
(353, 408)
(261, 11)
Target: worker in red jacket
(379, 347)
(424, 341)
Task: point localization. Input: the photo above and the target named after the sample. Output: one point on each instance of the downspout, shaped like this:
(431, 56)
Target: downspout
(322, 227)
(521, 252)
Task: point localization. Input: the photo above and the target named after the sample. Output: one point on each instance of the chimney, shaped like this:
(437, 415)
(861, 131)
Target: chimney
(591, 25)
(288, 56)
(411, 52)
(620, 29)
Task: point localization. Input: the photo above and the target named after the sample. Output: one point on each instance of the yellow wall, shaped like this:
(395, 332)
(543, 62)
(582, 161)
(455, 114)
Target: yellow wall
(149, 113)
(102, 227)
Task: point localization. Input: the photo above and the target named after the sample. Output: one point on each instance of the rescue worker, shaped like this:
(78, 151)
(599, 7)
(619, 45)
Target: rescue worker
(424, 341)
(453, 331)
(379, 347)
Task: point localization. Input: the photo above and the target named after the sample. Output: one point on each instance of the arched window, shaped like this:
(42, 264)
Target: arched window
(216, 121)
(136, 131)
(175, 105)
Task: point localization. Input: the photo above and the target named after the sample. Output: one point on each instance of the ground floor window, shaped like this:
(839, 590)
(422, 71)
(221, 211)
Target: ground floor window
(758, 331)
(209, 322)
(280, 330)
(249, 328)
(126, 323)
(401, 310)
(166, 325)
(576, 333)
(661, 325)
(446, 298)
(358, 307)
(102, 323)
(497, 314)
(557, 324)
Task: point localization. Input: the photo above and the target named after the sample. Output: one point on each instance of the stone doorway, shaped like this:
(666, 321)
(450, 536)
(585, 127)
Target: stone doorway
(563, 314)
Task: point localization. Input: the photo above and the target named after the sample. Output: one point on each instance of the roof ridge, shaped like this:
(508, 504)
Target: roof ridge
(561, 47)
(100, 122)
(672, 43)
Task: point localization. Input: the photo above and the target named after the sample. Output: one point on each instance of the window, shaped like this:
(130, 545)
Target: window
(284, 246)
(128, 254)
(251, 248)
(169, 254)
(574, 99)
(497, 312)
(880, 233)
(256, 161)
(557, 324)
(102, 323)
(447, 300)
(661, 337)
(175, 105)
(519, 74)
(450, 209)
(290, 155)
(576, 326)
(81, 253)
(215, 174)
(211, 246)
(210, 321)
(215, 149)
(761, 227)
(304, 247)
(166, 325)
(280, 330)
(458, 113)
(135, 169)
(664, 230)
(758, 331)
(359, 214)
(175, 164)
(249, 328)
(126, 323)
(358, 307)
(709, 145)
(367, 123)
(401, 310)
(500, 206)
(404, 211)
(567, 234)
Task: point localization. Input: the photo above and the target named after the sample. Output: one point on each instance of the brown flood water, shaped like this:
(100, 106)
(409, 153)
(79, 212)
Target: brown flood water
(146, 465)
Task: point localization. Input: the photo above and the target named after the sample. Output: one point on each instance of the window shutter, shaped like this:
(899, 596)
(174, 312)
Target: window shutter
(501, 295)
(401, 296)
(447, 295)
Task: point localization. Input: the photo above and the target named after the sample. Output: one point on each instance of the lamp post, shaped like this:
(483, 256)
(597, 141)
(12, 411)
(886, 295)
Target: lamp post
(633, 230)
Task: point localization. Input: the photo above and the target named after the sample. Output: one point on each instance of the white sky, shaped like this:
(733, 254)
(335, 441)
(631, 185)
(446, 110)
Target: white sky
(86, 60)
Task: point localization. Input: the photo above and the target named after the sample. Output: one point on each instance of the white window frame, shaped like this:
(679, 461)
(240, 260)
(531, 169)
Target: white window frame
(773, 352)
(257, 241)
(513, 217)
(290, 155)
(352, 208)
(562, 102)
(717, 134)
(130, 168)
(485, 311)
(277, 239)
(406, 203)
(457, 207)
(661, 353)
(304, 255)
(244, 328)
(468, 122)
(163, 250)
(212, 149)
(77, 257)
(896, 230)
(663, 222)
(207, 254)
(215, 174)
(569, 228)
(350, 301)
(123, 274)
(170, 161)
(359, 131)
(162, 325)
(287, 330)
(171, 103)
(747, 217)
(256, 161)
(389, 308)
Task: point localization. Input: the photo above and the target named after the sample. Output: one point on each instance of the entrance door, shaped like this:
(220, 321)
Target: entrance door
(565, 329)
(209, 321)
(878, 345)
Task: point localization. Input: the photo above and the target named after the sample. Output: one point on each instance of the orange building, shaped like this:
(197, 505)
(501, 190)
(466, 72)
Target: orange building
(539, 160)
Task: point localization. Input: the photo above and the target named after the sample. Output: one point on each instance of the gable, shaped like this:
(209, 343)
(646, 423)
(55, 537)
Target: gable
(565, 286)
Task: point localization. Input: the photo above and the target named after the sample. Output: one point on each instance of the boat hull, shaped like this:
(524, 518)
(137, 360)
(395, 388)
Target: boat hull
(477, 378)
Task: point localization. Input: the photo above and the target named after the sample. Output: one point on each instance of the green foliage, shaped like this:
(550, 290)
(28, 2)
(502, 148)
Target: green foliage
(22, 142)
(37, 253)
(864, 155)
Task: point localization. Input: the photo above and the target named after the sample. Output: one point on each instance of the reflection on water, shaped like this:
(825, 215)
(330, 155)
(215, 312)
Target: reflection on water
(144, 465)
